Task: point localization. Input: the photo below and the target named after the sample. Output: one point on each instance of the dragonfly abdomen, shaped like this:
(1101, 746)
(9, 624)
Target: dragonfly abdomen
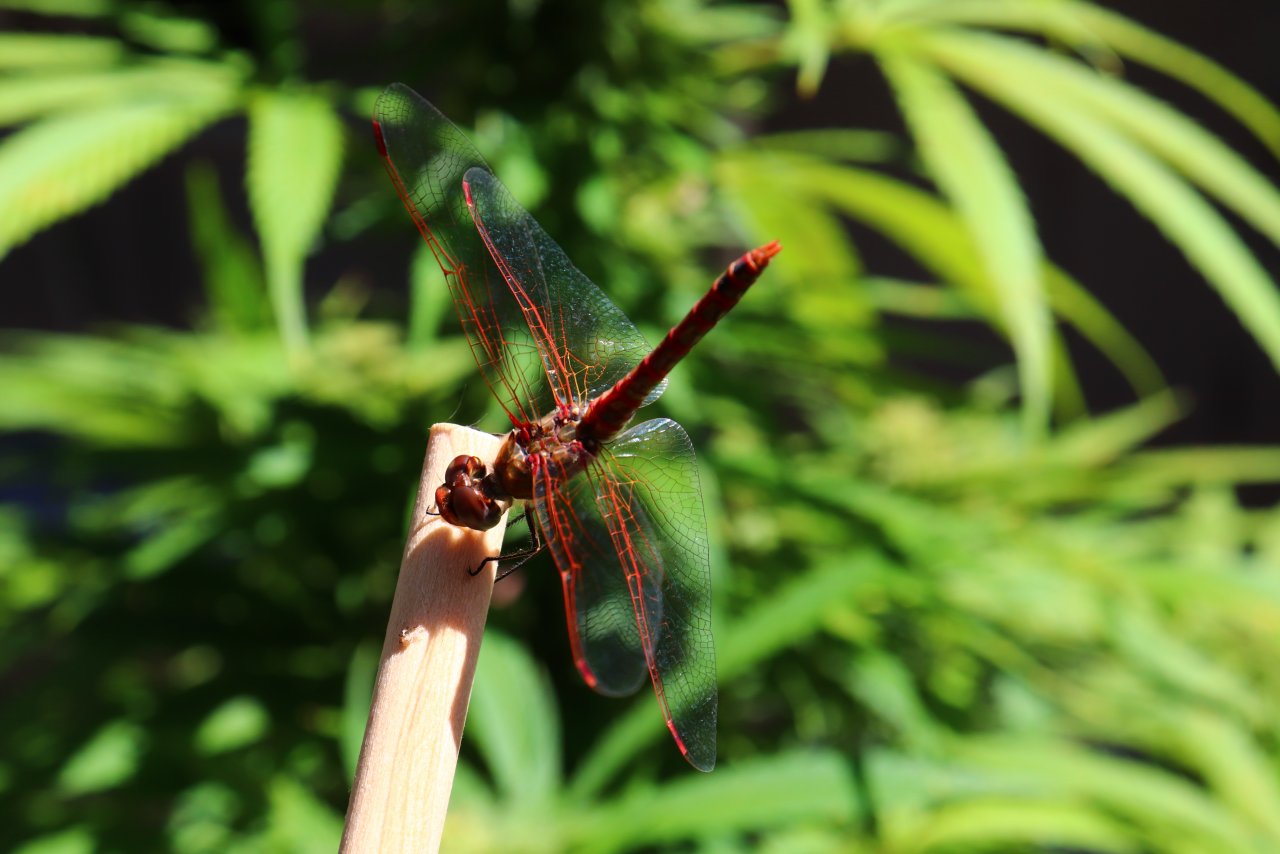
(610, 412)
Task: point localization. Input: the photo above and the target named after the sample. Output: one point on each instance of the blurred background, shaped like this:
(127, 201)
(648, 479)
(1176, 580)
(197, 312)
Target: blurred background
(988, 456)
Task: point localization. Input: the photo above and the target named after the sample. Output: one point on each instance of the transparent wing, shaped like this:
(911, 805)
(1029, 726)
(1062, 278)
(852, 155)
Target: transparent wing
(629, 537)
(587, 343)
(427, 157)
(603, 631)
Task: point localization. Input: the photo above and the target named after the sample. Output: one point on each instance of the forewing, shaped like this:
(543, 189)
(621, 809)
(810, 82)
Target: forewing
(586, 342)
(427, 157)
(643, 490)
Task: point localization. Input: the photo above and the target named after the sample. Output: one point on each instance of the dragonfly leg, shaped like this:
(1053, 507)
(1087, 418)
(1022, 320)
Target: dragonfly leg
(521, 556)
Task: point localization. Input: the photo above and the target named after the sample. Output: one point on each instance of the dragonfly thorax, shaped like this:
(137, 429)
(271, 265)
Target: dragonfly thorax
(550, 445)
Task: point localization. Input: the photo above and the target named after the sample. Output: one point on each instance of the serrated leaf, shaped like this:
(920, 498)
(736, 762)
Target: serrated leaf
(295, 154)
(60, 166)
(970, 169)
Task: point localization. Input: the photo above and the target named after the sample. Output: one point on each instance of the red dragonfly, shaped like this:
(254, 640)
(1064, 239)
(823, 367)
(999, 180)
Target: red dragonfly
(619, 507)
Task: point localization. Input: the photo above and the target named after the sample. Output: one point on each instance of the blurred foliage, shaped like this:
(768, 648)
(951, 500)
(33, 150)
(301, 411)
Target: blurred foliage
(950, 616)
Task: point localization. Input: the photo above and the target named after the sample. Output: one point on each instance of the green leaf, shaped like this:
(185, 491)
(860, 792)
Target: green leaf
(1081, 309)
(861, 146)
(1207, 465)
(297, 821)
(168, 33)
(808, 40)
(1078, 23)
(233, 278)
(76, 840)
(295, 154)
(783, 619)
(968, 166)
(915, 299)
(429, 297)
(790, 188)
(1101, 440)
(781, 791)
(27, 96)
(1011, 822)
(70, 8)
(1162, 805)
(60, 166)
(514, 723)
(106, 760)
(236, 723)
(1158, 127)
(1181, 213)
(104, 391)
(29, 51)
(357, 697)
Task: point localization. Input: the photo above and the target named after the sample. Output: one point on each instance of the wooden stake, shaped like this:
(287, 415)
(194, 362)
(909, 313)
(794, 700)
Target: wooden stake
(410, 749)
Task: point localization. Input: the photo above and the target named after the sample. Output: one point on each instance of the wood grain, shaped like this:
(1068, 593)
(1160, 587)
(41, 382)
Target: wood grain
(410, 750)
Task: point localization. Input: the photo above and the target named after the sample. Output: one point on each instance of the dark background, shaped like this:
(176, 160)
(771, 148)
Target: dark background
(130, 262)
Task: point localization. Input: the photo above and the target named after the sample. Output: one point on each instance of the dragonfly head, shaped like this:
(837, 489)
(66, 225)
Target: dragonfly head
(466, 497)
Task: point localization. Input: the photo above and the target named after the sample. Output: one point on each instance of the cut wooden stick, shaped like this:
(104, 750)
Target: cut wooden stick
(410, 749)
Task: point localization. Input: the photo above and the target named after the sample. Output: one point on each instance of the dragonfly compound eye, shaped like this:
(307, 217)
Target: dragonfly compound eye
(468, 506)
(463, 470)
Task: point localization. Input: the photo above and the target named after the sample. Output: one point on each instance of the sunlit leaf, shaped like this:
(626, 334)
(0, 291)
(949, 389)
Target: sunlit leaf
(1182, 214)
(237, 722)
(1191, 149)
(758, 794)
(30, 51)
(523, 756)
(357, 698)
(969, 167)
(295, 153)
(233, 277)
(64, 164)
(783, 619)
(1080, 23)
(108, 759)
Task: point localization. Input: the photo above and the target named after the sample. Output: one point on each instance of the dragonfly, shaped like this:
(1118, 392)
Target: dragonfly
(619, 506)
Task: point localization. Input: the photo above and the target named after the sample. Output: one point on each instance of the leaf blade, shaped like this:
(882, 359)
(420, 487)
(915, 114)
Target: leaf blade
(295, 154)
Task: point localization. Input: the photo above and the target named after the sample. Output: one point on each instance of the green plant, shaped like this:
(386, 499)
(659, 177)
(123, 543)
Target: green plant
(947, 621)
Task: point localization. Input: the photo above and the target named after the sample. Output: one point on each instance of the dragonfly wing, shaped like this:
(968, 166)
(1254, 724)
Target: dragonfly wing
(603, 631)
(587, 343)
(643, 491)
(427, 157)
